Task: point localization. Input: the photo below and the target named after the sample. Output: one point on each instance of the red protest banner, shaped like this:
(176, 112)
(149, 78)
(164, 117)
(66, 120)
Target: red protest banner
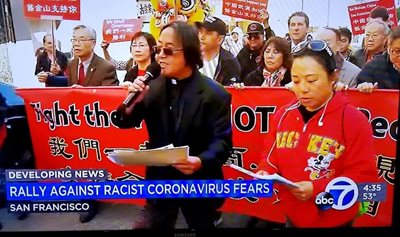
(359, 14)
(245, 9)
(119, 30)
(82, 132)
(52, 9)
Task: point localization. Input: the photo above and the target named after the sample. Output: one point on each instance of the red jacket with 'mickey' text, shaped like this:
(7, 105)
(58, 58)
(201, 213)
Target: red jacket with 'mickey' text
(336, 142)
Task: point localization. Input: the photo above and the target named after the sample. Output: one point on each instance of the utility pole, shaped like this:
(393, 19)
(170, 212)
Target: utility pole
(329, 9)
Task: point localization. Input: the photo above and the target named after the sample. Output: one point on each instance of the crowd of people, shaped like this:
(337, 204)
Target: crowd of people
(198, 60)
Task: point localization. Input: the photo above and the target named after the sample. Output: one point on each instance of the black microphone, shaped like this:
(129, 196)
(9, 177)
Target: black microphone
(152, 72)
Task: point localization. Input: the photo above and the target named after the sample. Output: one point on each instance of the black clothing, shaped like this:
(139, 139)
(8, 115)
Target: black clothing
(381, 70)
(195, 112)
(43, 63)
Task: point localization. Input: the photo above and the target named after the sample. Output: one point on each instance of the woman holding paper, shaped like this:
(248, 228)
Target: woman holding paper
(318, 137)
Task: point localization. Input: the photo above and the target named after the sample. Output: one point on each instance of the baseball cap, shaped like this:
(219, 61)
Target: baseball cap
(255, 28)
(212, 23)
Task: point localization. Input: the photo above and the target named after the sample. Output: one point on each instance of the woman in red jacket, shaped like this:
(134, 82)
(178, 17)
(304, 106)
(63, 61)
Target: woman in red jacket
(318, 137)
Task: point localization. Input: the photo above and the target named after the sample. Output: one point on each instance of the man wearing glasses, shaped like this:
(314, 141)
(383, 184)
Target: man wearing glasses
(376, 33)
(383, 71)
(182, 107)
(86, 69)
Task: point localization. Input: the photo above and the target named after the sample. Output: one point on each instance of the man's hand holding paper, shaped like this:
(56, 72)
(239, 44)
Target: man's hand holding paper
(192, 164)
(162, 156)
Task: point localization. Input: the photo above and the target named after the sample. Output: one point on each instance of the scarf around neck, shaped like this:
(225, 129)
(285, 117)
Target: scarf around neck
(273, 79)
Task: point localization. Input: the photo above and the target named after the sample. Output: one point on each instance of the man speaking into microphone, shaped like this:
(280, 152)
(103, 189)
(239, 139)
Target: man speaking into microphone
(182, 107)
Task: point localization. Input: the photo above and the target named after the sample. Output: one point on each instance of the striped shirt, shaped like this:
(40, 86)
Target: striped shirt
(232, 46)
(210, 67)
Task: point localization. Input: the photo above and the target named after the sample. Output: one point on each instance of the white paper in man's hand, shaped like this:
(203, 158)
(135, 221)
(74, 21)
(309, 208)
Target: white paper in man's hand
(162, 156)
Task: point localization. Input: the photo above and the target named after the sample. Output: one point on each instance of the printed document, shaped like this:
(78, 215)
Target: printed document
(274, 177)
(162, 156)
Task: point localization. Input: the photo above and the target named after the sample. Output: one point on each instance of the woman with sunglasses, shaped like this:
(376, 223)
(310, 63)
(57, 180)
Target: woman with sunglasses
(143, 54)
(275, 65)
(316, 138)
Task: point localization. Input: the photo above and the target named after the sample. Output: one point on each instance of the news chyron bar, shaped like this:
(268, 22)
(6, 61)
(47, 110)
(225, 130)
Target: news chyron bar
(65, 190)
(31, 204)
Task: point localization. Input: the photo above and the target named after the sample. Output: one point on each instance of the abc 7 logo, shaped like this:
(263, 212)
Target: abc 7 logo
(341, 193)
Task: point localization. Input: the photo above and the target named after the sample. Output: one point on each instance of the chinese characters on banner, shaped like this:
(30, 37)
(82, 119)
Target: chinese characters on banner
(119, 30)
(144, 8)
(359, 14)
(52, 9)
(245, 9)
(77, 134)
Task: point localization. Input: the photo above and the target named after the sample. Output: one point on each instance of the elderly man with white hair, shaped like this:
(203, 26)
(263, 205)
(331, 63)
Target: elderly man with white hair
(376, 33)
(383, 72)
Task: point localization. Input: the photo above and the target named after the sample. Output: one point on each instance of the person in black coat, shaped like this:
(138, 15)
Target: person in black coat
(182, 107)
(218, 63)
(45, 60)
(249, 56)
(383, 72)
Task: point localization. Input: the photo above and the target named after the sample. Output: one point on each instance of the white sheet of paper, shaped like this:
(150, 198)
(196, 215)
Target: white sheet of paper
(274, 177)
(161, 156)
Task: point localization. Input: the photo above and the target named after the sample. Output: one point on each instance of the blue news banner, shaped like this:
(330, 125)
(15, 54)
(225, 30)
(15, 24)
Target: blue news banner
(57, 191)
(21, 191)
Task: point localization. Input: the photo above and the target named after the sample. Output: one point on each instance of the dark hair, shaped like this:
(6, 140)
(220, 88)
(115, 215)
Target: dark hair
(281, 46)
(381, 12)
(44, 37)
(346, 33)
(151, 41)
(394, 35)
(187, 34)
(322, 57)
(301, 14)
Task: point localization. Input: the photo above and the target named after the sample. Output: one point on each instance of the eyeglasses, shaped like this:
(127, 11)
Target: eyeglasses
(80, 40)
(395, 52)
(313, 45)
(139, 46)
(167, 51)
(253, 36)
(373, 36)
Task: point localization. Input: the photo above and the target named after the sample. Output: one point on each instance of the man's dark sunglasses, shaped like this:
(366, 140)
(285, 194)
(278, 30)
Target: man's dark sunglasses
(254, 36)
(167, 51)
